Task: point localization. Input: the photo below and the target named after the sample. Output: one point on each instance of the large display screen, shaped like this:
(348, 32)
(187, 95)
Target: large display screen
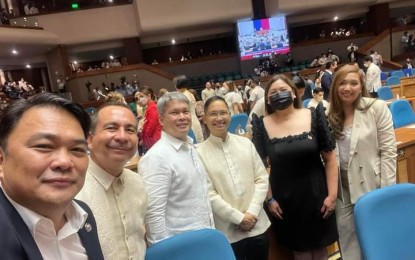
(261, 38)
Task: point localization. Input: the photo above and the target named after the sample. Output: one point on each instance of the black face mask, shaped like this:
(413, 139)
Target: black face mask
(281, 100)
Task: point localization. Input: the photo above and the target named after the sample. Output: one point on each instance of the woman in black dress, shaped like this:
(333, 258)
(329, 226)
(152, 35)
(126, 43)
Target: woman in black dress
(303, 189)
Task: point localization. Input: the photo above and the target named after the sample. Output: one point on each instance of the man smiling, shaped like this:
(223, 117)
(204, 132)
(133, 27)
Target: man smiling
(116, 195)
(175, 178)
(43, 160)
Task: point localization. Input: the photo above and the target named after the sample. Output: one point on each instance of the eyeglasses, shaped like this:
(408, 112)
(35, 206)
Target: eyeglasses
(217, 114)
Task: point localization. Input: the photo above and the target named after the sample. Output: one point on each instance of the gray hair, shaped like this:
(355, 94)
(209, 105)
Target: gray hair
(167, 98)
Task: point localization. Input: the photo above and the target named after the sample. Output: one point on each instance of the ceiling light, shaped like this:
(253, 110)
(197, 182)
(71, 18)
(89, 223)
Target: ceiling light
(111, 57)
(110, 1)
(173, 41)
(75, 62)
(28, 66)
(336, 18)
(15, 52)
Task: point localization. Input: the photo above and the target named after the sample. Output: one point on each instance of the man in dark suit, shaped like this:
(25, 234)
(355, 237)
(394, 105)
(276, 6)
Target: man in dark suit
(408, 64)
(327, 78)
(43, 161)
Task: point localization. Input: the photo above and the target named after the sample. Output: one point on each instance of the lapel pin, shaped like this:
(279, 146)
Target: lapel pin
(88, 227)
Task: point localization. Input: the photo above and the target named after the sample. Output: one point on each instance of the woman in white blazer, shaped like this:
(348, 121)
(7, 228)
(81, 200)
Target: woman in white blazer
(366, 149)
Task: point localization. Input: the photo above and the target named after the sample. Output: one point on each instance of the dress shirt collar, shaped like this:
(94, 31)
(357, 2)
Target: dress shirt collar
(103, 177)
(74, 214)
(218, 140)
(175, 142)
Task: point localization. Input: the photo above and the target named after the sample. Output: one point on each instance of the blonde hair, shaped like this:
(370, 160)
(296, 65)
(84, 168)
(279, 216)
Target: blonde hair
(114, 96)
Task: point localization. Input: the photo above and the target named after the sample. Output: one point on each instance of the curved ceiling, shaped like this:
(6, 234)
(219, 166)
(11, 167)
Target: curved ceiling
(160, 20)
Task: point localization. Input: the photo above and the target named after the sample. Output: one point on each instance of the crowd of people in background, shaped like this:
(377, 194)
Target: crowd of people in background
(408, 42)
(222, 182)
(16, 90)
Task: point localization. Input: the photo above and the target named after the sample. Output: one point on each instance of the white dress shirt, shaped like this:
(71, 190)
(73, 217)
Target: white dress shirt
(64, 245)
(257, 93)
(119, 206)
(238, 183)
(232, 98)
(207, 93)
(373, 81)
(178, 198)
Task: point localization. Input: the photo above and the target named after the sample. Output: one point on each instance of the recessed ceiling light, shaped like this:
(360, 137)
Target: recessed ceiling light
(335, 18)
(28, 66)
(173, 41)
(15, 52)
(111, 57)
(75, 62)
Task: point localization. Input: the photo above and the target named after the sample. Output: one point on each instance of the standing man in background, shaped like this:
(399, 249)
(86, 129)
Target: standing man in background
(372, 80)
(257, 92)
(208, 92)
(327, 78)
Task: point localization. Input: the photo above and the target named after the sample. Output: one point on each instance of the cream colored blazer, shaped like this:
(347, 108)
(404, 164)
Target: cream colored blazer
(372, 157)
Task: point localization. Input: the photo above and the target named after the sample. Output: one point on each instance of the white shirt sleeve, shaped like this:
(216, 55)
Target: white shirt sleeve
(157, 180)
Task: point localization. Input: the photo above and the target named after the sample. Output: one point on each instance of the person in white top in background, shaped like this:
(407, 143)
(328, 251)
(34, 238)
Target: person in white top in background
(181, 83)
(238, 184)
(257, 92)
(372, 81)
(173, 175)
(233, 98)
(116, 195)
(376, 57)
(208, 92)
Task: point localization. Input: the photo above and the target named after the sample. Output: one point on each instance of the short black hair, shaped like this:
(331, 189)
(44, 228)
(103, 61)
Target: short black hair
(298, 82)
(317, 90)
(368, 58)
(213, 99)
(15, 112)
(181, 81)
(328, 65)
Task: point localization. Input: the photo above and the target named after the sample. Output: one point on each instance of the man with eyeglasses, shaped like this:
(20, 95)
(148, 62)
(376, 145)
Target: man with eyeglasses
(238, 184)
(174, 177)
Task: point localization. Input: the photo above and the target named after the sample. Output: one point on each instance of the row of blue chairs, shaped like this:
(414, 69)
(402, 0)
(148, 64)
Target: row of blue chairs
(384, 220)
(397, 73)
(402, 112)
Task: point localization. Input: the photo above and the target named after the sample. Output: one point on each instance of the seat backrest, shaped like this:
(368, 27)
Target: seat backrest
(385, 225)
(402, 113)
(306, 101)
(90, 110)
(398, 73)
(192, 135)
(204, 244)
(238, 123)
(407, 72)
(413, 71)
(383, 75)
(385, 93)
(393, 80)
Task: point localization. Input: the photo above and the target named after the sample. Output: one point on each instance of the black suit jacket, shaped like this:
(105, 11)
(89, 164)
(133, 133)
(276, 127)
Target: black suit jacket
(17, 243)
(326, 80)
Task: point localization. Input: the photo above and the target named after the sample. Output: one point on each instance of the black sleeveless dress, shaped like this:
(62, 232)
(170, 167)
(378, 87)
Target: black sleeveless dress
(298, 183)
